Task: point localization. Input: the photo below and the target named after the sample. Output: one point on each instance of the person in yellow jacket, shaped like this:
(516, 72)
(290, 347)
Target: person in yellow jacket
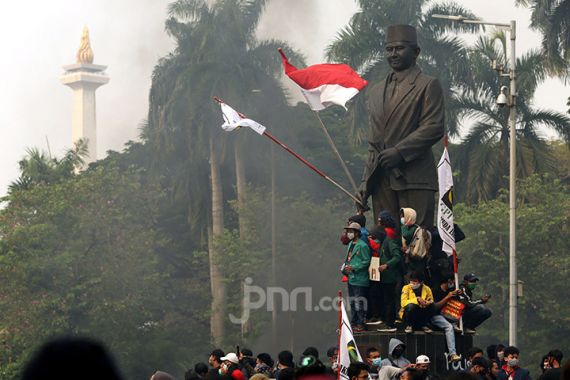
(417, 304)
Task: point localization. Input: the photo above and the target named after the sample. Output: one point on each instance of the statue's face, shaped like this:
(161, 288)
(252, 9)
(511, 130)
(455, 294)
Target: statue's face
(401, 55)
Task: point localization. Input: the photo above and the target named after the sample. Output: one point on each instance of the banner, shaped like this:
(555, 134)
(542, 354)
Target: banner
(445, 207)
(347, 351)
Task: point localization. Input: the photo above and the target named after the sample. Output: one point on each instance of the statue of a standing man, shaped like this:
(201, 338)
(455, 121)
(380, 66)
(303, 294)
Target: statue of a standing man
(406, 119)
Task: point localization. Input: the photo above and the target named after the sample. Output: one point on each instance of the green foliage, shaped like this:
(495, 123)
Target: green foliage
(543, 263)
(83, 256)
(550, 18)
(483, 154)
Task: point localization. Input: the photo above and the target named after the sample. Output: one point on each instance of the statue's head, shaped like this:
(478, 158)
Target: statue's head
(401, 47)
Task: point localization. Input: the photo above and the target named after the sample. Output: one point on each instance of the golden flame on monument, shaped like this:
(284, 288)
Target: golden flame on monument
(85, 53)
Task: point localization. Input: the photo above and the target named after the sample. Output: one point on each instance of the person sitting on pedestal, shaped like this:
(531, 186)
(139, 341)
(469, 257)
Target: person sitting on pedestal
(475, 310)
(442, 294)
(417, 304)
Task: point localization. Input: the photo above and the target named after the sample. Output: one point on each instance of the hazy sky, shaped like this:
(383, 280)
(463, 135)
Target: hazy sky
(39, 37)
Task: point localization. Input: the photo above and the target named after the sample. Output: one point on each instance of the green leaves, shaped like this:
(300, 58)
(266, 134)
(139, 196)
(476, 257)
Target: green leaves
(543, 215)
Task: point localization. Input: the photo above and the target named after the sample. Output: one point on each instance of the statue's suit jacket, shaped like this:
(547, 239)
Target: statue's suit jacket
(412, 123)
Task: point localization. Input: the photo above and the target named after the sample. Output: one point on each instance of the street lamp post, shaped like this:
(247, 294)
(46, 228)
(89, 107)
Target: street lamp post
(511, 28)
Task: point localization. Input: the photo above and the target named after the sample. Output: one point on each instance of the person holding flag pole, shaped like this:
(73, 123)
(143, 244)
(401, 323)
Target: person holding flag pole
(445, 224)
(348, 352)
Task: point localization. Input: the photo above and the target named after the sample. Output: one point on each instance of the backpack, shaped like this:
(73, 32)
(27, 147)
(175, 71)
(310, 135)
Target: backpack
(420, 244)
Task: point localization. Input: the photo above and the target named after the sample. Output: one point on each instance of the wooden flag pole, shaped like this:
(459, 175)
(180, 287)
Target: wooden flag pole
(336, 152)
(307, 163)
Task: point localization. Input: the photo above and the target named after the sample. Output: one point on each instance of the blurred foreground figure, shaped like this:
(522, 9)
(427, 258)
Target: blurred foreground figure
(71, 358)
(159, 375)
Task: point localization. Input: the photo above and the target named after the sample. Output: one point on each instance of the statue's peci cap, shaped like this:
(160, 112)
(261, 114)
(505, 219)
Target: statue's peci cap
(401, 33)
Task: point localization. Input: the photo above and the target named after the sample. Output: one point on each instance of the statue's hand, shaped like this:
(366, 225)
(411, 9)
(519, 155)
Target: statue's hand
(362, 196)
(390, 158)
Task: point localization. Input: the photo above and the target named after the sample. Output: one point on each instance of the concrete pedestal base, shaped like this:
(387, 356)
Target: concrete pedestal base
(433, 345)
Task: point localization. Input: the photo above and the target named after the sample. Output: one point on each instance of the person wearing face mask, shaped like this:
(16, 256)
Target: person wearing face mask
(355, 268)
(230, 367)
(396, 349)
(511, 369)
(475, 311)
(442, 294)
(390, 268)
(417, 304)
(377, 370)
(552, 367)
(408, 228)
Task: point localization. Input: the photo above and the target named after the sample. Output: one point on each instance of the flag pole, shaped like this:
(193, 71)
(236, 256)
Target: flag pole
(339, 333)
(336, 152)
(298, 157)
(307, 163)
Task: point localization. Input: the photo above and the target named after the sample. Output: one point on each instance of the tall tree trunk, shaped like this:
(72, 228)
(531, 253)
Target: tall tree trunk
(217, 283)
(241, 186)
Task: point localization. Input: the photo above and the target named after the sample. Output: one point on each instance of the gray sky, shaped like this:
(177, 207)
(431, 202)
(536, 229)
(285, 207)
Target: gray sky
(128, 36)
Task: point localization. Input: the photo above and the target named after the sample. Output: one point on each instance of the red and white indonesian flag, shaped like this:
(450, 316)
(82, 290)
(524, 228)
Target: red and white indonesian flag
(347, 351)
(445, 207)
(234, 120)
(325, 84)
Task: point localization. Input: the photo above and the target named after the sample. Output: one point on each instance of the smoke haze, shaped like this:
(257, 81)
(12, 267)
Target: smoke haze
(128, 36)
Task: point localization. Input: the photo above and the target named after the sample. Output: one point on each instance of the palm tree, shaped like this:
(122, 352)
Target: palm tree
(37, 168)
(483, 155)
(216, 54)
(552, 19)
(361, 45)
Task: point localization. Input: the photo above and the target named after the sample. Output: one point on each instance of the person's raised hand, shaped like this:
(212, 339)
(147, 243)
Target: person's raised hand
(383, 267)
(390, 158)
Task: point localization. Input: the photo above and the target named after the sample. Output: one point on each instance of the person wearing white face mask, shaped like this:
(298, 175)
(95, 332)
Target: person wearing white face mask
(355, 268)
(511, 369)
(417, 304)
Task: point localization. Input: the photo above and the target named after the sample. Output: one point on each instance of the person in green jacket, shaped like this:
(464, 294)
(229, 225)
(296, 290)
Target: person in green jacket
(356, 268)
(390, 269)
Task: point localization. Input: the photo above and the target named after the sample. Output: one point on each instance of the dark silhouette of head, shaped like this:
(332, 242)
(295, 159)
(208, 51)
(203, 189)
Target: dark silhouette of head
(71, 358)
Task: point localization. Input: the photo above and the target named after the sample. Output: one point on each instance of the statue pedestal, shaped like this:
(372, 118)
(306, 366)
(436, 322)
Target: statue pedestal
(419, 343)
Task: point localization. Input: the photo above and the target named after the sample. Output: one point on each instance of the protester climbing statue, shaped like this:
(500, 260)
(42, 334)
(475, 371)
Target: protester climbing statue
(406, 120)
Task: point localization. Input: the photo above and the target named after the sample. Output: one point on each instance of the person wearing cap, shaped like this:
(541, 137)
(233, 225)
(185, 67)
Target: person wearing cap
(355, 267)
(406, 119)
(422, 364)
(230, 366)
(360, 219)
(390, 268)
(475, 311)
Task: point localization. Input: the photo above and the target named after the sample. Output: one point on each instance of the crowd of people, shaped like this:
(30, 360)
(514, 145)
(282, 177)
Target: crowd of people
(399, 273)
(496, 363)
(72, 358)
